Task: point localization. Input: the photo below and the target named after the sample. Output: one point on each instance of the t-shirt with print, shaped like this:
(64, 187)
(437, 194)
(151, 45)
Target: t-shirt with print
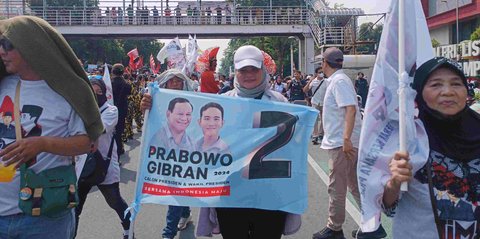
(340, 93)
(456, 189)
(43, 112)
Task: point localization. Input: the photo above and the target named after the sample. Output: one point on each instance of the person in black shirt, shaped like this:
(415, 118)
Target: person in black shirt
(296, 87)
(361, 86)
(120, 90)
(219, 14)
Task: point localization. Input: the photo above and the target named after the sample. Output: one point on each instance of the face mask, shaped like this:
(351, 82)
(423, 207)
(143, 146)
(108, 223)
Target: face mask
(322, 75)
(101, 99)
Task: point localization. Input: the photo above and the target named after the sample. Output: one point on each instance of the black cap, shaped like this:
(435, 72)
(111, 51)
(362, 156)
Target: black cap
(424, 71)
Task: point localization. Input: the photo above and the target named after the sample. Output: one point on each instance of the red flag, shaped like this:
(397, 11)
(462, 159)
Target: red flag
(139, 63)
(152, 64)
(133, 54)
(157, 69)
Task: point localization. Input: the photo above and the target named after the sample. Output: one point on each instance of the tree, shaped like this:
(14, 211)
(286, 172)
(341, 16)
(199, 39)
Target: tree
(369, 33)
(435, 43)
(112, 51)
(475, 35)
(277, 47)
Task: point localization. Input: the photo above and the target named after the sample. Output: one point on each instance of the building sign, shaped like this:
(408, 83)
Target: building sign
(467, 51)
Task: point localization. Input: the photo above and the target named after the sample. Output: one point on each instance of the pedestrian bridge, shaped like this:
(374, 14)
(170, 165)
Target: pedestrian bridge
(310, 24)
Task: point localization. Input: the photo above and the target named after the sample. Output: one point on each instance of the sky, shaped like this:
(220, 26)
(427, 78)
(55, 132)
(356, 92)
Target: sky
(369, 6)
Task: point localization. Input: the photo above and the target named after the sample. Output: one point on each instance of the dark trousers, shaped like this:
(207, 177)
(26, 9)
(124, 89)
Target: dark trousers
(112, 196)
(250, 223)
(118, 134)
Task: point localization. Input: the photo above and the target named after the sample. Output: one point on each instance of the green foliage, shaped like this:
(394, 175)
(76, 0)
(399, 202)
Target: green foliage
(475, 35)
(435, 43)
(112, 51)
(369, 32)
(277, 47)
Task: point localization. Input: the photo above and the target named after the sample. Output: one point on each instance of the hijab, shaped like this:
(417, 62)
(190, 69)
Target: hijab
(101, 99)
(255, 92)
(169, 74)
(457, 136)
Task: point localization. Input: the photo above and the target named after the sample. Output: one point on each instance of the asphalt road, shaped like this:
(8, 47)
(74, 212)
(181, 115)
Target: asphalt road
(99, 221)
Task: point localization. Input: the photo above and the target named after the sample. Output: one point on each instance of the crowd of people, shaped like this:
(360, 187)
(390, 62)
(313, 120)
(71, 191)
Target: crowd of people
(72, 117)
(191, 15)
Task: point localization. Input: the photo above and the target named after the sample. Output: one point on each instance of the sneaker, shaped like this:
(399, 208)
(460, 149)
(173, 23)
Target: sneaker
(327, 233)
(126, 236)
(183, 223)
(379, 233)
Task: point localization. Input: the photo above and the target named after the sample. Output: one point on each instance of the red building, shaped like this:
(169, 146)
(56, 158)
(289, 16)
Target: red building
(441, 19)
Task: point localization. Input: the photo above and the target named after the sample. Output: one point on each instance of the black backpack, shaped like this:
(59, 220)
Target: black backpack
(96, 167)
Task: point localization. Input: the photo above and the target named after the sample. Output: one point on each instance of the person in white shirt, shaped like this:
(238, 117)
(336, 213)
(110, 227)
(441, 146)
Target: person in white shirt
(109, 188)
(317, 86)
(342, 123)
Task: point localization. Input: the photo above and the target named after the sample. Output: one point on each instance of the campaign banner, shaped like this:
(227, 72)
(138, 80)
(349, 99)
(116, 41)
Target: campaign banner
(206, 150)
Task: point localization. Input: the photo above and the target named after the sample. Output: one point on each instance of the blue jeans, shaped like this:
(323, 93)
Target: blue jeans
(173, 217)
(20, 226)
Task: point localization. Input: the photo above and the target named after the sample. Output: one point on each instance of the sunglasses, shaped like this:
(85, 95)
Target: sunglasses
(6, 44)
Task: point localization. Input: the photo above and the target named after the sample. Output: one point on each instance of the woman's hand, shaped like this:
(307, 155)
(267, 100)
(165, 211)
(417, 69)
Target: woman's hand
(401, 169)
(146, 103)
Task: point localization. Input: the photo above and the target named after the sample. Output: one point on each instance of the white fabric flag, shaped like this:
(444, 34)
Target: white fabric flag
(379, 138)
(174, 54)
(192, 55)
(108, 84)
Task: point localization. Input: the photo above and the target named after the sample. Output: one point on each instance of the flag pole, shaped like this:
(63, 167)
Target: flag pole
(401, 76)
(142, 141)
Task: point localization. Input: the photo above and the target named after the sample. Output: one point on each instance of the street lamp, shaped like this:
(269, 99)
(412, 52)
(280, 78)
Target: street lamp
(456, 19)
(291, 55)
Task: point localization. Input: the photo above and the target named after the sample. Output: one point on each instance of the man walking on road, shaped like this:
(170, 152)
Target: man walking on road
(342, 125)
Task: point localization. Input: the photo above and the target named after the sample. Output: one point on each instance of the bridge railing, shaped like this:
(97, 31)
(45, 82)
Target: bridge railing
(113, 16)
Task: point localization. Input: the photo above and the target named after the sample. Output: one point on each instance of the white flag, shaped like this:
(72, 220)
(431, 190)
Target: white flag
(174, 54)
(192, 55)
(379, 139)
(108, 84)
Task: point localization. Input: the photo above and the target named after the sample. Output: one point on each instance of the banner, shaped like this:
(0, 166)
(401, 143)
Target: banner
(108, 84)
(174, 54)
(206, 150)
(379, 139)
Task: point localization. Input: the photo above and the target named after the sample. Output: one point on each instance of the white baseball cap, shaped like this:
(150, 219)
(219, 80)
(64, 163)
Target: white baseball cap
(248, 56)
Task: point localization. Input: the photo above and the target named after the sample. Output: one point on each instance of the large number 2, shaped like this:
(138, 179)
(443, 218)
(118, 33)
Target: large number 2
(285, 124)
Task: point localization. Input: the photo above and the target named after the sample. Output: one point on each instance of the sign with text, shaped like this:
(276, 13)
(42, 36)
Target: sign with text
(207, 150)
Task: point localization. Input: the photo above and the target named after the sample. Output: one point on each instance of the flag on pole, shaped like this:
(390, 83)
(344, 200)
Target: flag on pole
(139, 63)
(379, 139)
(133, 55)
(152, 64)
(173, 53)
(192, 55)
(108, 84)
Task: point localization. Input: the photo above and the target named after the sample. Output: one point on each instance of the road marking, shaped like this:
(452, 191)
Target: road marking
(351, 209)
